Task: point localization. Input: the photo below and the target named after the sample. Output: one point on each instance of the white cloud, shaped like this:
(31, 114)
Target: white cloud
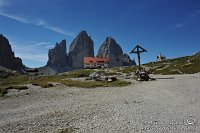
(49, 46)
(180, 25)
(58, 30)
(20, 19)
(45, 45)
(3, 2)
(188, 20)
(40, 23)
(33, 57)
(195, 13)
(32, 52)
(42, 43)
(44, 24)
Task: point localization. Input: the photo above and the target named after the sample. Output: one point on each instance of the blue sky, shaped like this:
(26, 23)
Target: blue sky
(171, 27)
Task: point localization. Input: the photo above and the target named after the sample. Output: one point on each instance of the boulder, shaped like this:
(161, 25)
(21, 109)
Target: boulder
(100, 76)
(82, 46)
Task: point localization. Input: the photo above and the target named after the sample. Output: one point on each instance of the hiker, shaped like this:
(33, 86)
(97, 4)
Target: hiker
(143, 75)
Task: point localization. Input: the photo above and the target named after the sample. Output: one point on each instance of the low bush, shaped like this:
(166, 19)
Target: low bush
(78, 73)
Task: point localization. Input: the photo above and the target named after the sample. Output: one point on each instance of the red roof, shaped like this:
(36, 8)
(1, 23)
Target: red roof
(89, 60)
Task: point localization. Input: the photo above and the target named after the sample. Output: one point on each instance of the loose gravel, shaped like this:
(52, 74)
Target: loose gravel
(171, 104)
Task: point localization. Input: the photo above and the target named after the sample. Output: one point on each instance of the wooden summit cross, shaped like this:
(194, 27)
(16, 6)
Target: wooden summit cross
(137, 50)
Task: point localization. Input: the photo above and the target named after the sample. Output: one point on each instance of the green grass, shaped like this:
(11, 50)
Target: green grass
(110, 73)
(15, 80)
(5, 73)
(116, 69)
(85, 73)
(45, 81)
(129, 69)
(78, 73)
(166, 71)
(182, 65)
(93, 84)
(68, 130)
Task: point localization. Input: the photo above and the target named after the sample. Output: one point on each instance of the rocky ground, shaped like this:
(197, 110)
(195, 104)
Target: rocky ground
(4, 73)
(169, 105)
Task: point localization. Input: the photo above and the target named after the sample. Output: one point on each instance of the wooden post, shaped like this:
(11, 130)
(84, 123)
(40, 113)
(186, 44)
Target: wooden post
(139, 61)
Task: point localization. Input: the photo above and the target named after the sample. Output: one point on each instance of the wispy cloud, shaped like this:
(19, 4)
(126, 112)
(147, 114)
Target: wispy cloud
(44, 24)
(38, 22)
(41, 22)
(33, 57)
(45, 45)
(3, 2)
(58, 30)
(17, 18)
(194, 13)
(33, 51)
(42, 43)
(188, 20)
(180, 25)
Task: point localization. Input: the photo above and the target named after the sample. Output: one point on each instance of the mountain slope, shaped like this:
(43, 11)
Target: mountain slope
(5, 73)
(7, 56)
(181, 65)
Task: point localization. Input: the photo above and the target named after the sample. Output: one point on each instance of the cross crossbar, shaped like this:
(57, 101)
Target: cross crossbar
(137, 50)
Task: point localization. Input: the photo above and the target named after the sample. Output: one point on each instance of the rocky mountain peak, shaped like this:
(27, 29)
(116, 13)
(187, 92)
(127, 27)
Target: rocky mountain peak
(7, 56)
(83, 33)
(57, 55)
(82, 46)
(1, 35)
(111, 49)
(110, 40)
(62, 44)
(4, 44)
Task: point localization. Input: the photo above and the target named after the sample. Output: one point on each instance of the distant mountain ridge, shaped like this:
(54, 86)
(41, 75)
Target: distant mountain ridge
(60, 61)
(83, 46)
(59, 58)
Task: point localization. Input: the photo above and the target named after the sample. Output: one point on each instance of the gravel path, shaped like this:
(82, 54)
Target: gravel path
(169, 105)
